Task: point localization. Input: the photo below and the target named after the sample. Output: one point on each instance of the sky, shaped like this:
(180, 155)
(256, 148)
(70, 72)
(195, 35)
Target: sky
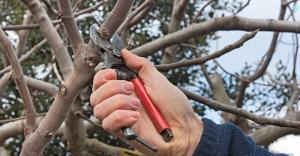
(253, 50)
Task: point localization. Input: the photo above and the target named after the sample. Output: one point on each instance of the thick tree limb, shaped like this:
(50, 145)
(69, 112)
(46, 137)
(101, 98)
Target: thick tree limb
(174, 25)
(115, 18)
(18, 77)
(14, 128)
(216, 24)
(84, 66)
(241, 112)
(75, 131)
(237, 44)
(54, 40)
(61, 106)
(266, 135)
(220, 95)
(42, 86)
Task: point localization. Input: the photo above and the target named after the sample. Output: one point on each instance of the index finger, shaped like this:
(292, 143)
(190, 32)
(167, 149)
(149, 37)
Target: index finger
(103, 76)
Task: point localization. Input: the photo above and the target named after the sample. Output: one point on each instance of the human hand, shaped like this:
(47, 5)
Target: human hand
(116, 105)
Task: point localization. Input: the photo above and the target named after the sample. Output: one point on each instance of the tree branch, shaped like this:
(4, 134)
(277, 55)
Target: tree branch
(221, 23)
(266, 135)
(26, 56)
(54, 22)
(127, 22)
(115, 18)
(23, 34)
(67, 93)
(98, 148)
(54, 40)
(240, 112)
(199, 13)
(75, 131)
(263, 64)
(237, 44)
(18, 77)
(70, 26)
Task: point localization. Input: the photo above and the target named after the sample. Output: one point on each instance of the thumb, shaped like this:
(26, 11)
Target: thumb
(141, 65)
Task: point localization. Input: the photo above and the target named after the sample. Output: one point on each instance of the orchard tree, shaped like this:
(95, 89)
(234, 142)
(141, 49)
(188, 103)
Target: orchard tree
(48, 62)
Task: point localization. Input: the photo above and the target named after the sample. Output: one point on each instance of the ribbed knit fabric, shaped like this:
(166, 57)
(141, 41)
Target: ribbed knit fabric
(227, 140)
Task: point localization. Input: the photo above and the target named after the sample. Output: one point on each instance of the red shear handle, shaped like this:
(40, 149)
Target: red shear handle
(155, 115)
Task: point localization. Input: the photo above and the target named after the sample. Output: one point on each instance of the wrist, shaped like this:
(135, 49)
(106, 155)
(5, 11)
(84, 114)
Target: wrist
(195, 135)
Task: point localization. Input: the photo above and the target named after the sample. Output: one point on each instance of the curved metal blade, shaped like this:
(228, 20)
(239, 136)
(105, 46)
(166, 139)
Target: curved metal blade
(117, 42)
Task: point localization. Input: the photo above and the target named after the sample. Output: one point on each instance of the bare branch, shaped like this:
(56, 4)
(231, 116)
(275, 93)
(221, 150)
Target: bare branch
(266, 135)
(174, 25)
(51, 35)
(115, 18)
(242, 8)
(23, 34)
(71, 27)
(54, 22)
(222, 23)
(4, 82)
(199, 13)
(293, 99)
(75, 131)
(42, 86)
(98, 148)
(263, 64)
(19, 118)
(18, 77)
(237, 44)
(241, 112)
(26, 56)
(145, 6)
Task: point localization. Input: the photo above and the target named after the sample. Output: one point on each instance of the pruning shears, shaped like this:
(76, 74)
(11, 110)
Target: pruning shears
(110, 50)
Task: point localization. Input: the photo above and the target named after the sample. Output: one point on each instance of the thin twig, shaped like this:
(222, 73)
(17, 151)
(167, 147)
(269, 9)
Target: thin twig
(228, 48)
(19, 118)
(242, 8)
(199, 13)
(81, 115)
(147, 4)
(26, 55)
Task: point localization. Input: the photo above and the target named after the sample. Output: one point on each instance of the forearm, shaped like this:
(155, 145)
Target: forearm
(225, 140)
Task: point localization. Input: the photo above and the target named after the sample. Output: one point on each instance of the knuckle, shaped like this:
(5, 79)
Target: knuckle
(146, 62)
(98, 113)
(93, 100)
(118, 118)
(106, 125)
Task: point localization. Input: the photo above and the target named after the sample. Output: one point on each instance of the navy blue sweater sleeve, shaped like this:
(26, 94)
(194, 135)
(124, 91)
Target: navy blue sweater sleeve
(227, 140)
